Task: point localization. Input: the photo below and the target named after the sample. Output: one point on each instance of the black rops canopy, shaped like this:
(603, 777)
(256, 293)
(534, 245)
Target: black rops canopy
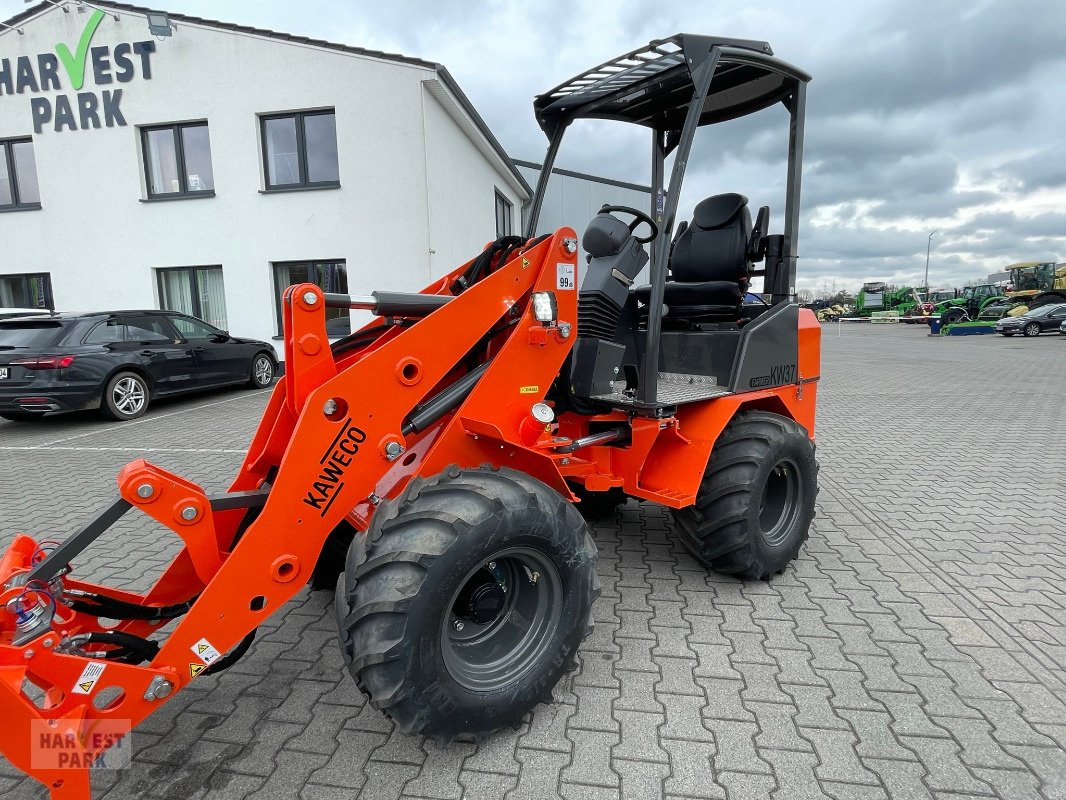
(652, 85)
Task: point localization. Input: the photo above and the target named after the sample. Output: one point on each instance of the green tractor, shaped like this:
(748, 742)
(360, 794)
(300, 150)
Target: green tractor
(969, 304)
(879, 296)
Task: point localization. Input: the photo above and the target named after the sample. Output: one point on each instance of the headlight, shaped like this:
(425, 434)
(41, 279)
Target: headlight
(545, 307)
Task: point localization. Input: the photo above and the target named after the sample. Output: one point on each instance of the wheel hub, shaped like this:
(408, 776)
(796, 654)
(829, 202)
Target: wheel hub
(484, 602)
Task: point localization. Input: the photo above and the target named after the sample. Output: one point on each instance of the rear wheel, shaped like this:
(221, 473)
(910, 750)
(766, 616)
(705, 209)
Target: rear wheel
(466, 601)
(125, 397)
(1032, 329)
(755, 505)
(262, 371)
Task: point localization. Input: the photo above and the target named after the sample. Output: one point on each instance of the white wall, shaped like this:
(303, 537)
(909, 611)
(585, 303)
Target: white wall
(574, 201)
(100, 242)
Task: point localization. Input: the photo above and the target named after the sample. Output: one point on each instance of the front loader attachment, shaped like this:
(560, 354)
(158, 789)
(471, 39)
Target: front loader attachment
(444, 377)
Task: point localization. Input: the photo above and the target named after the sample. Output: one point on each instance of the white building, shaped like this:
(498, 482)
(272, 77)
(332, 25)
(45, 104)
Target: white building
(203, 166)
(205, 170)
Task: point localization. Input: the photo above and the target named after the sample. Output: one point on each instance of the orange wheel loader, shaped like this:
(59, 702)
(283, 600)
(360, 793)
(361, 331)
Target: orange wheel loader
(432, 467)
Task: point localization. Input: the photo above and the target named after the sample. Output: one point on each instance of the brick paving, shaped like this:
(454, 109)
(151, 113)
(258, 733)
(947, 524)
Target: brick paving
(917, 649)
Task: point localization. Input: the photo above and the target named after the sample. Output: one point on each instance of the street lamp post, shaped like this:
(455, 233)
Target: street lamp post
(928, 245)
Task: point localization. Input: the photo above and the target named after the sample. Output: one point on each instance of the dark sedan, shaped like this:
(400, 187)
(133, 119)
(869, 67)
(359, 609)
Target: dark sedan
(1034, 321)
(118, 362)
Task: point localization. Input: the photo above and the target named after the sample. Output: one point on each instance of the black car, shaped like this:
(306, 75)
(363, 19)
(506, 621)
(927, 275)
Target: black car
(119, 361)
(1034, 321)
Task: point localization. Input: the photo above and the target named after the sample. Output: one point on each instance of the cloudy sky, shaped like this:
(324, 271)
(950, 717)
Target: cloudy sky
(921, 116)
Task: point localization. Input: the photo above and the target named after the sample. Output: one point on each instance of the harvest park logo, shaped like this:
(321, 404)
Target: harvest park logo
(87, 109)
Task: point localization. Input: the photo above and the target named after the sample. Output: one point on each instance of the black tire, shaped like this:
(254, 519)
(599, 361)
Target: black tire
(952, 315)
(1032, 329)
(262, 374)
(397, 600)
(125, 397)
(754, 508)
(598, 505)
(20, 416)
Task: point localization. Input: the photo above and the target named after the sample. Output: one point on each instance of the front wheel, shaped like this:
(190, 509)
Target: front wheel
(1032, 329)
(755, 505)
(465, 602)
(262, 371)
(125, 397)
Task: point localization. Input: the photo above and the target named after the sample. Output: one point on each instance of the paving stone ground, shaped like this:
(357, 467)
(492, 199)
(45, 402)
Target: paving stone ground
(917, 648)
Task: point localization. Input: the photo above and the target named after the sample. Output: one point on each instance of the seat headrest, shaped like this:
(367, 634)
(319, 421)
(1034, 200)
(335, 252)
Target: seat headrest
(714, 212)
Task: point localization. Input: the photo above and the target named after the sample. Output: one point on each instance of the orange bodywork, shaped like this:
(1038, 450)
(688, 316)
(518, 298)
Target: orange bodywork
(325, 451)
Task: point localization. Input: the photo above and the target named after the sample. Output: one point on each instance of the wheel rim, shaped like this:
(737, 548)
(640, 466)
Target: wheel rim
(1033, 329)
(129, 396)
(490, 637)
(781, 501)
(264, 370)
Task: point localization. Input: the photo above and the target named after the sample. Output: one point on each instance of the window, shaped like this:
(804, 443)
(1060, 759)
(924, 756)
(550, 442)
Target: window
(504, 211)
(18, 176)
(191, 328)
(146, 328)
(33, 290)
(331, 276)
(107, 333)
(196, 291)
(177, 160)
(300, 150)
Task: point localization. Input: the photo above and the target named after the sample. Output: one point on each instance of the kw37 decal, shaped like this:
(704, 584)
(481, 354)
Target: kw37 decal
(781, 374)
(335, 461)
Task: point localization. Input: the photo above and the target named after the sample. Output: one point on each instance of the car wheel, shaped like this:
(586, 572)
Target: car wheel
(262, 371)
(1032, 329)
(125, 397)
(19, 416)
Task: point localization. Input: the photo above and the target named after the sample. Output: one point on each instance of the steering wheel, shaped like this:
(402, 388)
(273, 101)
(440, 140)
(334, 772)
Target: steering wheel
(640, 217)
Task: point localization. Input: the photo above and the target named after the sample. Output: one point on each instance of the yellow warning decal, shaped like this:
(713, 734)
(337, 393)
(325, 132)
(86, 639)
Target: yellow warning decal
(85, 687)
(196, 669)
(529, 390)
(525, 263)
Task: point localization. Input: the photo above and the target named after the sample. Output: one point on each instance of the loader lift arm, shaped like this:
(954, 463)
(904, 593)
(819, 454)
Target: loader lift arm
(341, 432)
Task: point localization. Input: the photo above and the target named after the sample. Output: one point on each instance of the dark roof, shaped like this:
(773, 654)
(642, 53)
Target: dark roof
(653, 85)
(440, 69)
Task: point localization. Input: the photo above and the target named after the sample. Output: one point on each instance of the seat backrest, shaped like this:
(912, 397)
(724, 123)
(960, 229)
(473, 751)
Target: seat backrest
(715, 246)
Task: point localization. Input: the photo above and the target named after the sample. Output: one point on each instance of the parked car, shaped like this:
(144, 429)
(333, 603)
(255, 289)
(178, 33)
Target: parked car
(119, 362)
(1034, 321)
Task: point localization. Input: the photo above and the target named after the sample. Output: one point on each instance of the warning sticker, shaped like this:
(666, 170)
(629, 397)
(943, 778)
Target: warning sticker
(205, 652)
(564, 276)
(88, 678)
(529, 390)
(525, 263)
(196, 669)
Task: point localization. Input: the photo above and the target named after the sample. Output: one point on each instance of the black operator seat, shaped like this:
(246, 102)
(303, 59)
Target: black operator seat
(709, 266)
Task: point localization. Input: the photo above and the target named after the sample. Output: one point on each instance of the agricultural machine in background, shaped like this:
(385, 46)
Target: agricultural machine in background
(879, 296)
(425, 468)
(1034, 284)
(970, 303)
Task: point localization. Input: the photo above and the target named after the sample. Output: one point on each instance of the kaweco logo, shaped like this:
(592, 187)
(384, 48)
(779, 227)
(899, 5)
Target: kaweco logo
(781, 374)
(335, 461)
(106, 64)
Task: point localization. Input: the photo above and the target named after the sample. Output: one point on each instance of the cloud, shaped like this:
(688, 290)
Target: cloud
(921, 114)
